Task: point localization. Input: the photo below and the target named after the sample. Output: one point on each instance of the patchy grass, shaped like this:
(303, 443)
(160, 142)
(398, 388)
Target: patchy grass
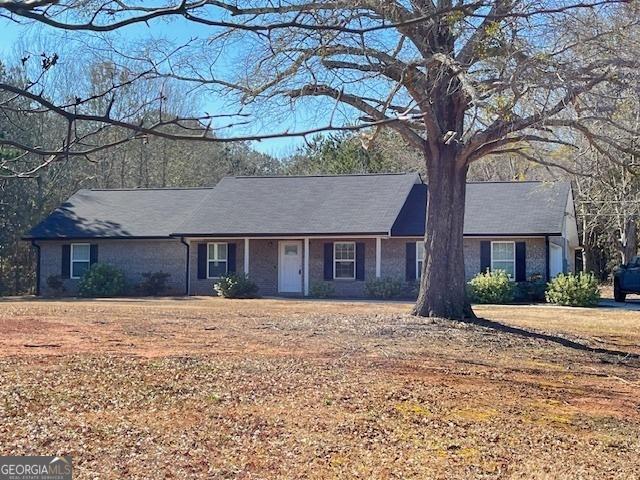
(600, 327)
(212, 388)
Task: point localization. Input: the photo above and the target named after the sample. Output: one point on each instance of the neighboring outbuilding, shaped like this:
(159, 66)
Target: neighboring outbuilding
(290, 232)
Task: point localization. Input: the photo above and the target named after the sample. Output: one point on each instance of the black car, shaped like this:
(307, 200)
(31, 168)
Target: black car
(626, 279)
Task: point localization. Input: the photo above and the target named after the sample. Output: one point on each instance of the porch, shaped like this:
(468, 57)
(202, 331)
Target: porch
(291, 265)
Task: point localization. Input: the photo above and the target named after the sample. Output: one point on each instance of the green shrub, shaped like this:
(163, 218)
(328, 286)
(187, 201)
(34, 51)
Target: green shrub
(533, 290)
(154, 283)
(413, 289)
(55, 283)
(321, 290)
(491, 287)
(574, 290)
(102, 280)
(386, 288)
(236, 285)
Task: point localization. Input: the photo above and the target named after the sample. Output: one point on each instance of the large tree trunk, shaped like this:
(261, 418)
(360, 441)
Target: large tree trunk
(442, 285)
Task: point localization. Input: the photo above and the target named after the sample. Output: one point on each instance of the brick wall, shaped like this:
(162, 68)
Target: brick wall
(137, 256)
(263, 265)
(133, 257)
(394, 254)
(343, 288)
(536, 257)
(205, 286)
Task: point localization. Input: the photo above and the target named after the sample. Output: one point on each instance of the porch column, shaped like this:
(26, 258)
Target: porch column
(378, 256)
(306, 267)
(246, 256)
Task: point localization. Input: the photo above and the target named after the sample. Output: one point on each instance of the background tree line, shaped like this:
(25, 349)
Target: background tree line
(30, 189)
(601, 162)
(606, 203)
(146, 161)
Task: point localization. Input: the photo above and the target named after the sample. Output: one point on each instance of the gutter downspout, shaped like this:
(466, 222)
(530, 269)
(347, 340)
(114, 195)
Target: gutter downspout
(37, 247)
(546, 258)
(187, 286)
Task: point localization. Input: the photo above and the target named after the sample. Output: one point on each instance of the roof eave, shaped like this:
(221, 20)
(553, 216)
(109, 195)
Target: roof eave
(85, 237)
(281, 234)
(513, 235)
(530, 234)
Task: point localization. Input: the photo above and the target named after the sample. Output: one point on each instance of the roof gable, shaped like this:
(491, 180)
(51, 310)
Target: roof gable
(496, 208)
(515, 207)
(295, 205)
(119, 213)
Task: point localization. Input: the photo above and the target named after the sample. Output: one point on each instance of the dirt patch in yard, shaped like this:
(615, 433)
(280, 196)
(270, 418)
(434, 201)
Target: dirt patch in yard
(208, 388)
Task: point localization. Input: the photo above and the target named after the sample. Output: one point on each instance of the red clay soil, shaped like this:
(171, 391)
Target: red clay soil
(208, 388)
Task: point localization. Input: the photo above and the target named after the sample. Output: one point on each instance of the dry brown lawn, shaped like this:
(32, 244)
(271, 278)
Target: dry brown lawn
(262, 389)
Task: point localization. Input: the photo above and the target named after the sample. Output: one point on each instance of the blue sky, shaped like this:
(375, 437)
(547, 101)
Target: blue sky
(17, 38)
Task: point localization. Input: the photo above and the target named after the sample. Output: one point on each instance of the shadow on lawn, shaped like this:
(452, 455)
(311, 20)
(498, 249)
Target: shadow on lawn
(34, 298)
(565, 342)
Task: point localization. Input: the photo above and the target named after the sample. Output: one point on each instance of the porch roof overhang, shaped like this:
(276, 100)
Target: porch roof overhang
(283, 235)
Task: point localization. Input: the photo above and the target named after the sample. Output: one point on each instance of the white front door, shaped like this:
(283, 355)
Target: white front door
(290, 267)
(555, 260)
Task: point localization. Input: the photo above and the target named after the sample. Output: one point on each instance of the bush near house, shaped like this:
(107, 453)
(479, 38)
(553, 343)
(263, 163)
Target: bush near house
(530, 291)
(571, 290)
(321, 290)
(386, 288)
(55, 283)
(236, 285)
(491, 287)
(413, 289)
(102, 280)
(153, 283)
(533, 290)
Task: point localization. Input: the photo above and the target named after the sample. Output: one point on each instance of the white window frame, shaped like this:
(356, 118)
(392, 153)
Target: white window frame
(209, 259)
(72, 260)
(419, 260)
(335, 261)
(513, 279)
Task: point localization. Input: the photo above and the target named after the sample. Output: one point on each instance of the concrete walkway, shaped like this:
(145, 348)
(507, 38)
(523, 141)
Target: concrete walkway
(631, 305)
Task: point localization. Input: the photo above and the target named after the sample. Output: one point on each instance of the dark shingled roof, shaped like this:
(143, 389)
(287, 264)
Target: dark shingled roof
(293, 205)
(120, 213)
(311, 205)
(496, 208)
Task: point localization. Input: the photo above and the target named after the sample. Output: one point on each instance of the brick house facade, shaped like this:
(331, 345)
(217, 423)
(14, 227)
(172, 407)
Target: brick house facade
(289, 233)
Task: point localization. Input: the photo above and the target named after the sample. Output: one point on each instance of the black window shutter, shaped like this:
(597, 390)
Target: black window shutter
(359, 261)
(328, 261)
(485, 256)
(521, 262)
(66, 261)
(411, 262)
(231, 258)
(93, 253)
(202, 260)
